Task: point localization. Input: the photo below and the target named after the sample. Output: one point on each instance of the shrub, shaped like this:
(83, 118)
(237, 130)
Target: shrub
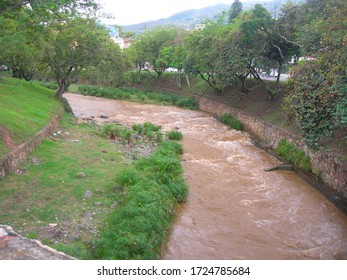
(297, 157)
(175, 135)
(229, 120)
(114, 131)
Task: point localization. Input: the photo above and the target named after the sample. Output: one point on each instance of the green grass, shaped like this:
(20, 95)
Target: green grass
(140, 226)
(51, 191)
(129, 214)
(297, 157)
(175, 135)
(229, 120)
(26, 108)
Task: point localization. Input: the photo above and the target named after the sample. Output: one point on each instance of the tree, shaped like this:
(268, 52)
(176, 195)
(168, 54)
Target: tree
(73, 46)
(42, 6)
(21, 44)
(235, 10)
(202, 52)
(153, 48)
(317, 100)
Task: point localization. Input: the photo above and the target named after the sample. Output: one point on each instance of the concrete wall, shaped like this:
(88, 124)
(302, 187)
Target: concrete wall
(10, 162)
(333, 170)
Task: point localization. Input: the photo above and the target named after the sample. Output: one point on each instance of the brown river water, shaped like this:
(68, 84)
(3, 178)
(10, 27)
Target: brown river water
(235, 210)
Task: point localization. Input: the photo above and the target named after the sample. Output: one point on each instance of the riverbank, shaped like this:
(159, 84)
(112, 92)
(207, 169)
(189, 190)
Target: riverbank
(264, 118)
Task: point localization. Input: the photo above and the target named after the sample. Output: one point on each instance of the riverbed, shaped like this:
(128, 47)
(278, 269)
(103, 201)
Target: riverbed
(234, 210)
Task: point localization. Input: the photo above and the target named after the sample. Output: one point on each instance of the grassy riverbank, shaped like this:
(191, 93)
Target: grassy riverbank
(69, 196)
(26, 108)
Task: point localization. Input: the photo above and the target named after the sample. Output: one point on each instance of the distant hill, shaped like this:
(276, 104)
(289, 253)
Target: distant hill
(189, 18)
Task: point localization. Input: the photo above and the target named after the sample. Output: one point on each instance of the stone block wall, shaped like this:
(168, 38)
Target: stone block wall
(333, 170)
(10, 162)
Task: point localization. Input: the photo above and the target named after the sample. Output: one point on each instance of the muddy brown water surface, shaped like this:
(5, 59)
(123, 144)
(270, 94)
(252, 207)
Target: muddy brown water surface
(234, 210)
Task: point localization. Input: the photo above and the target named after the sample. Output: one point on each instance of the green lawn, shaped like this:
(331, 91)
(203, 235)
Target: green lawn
(56, 176)
(26, 108)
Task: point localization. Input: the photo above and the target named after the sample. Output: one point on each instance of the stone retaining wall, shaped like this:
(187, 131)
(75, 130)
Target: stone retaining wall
(333, 170)
(10, 162)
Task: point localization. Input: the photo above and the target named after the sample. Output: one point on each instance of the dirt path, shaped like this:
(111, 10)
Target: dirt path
(234, 210)
(7, 138)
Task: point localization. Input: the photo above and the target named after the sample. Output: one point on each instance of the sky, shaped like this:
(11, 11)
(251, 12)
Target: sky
(127, 12)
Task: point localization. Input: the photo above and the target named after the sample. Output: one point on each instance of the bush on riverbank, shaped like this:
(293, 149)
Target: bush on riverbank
(137, 95)
(229, 120)
(140, 225)
(297, 157)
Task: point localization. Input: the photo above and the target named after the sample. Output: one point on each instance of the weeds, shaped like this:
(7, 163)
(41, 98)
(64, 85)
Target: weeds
(175, 135)
(297, 157)
(229, 120)
(139, 227)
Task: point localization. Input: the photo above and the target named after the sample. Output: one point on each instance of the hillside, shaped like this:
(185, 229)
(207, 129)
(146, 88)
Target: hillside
(189, 18)
(26, 108)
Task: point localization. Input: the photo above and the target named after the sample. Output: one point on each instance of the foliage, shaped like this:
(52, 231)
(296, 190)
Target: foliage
(75, 45)
(154, 50)
(235, 10)
(293, 155)
(317, 101)
(48, 6)
(175, 135)
(140, 226)
(116, 131)
(229, 120)
(138, 96)
(21, 44)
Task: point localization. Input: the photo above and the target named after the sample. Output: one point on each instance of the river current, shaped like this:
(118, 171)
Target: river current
(234, 210)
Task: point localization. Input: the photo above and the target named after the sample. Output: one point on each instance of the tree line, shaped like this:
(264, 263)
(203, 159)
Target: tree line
(63, 40)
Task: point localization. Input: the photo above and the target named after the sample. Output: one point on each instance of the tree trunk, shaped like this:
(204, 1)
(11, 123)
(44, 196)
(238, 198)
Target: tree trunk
(62, 86)
(278, 77)
(187, 79)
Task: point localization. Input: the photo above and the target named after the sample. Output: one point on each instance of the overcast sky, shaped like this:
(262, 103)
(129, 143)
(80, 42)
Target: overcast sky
(127, 12)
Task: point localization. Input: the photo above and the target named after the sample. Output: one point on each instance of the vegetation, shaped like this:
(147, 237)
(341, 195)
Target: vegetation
(139, 227)
(138, 96)
(71, 47)
(229, 120)
(293, 155)
(175, 135)
(25, 109)
(78, 160)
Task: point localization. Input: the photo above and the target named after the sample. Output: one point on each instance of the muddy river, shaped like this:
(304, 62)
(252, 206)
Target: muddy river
(234, 210)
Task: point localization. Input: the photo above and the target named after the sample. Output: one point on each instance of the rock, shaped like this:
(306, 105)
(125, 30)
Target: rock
(53, 225)
(35, 161)
(98, 203)
(114, 205)
(74, 238)
(15, 247)
(80, 175)
(87, 195)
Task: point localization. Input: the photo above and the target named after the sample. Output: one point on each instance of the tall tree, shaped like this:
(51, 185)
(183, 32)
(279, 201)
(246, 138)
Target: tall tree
(48, 5)
(73, 46)
(154, 48)
(21, 44)
(235, 10)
